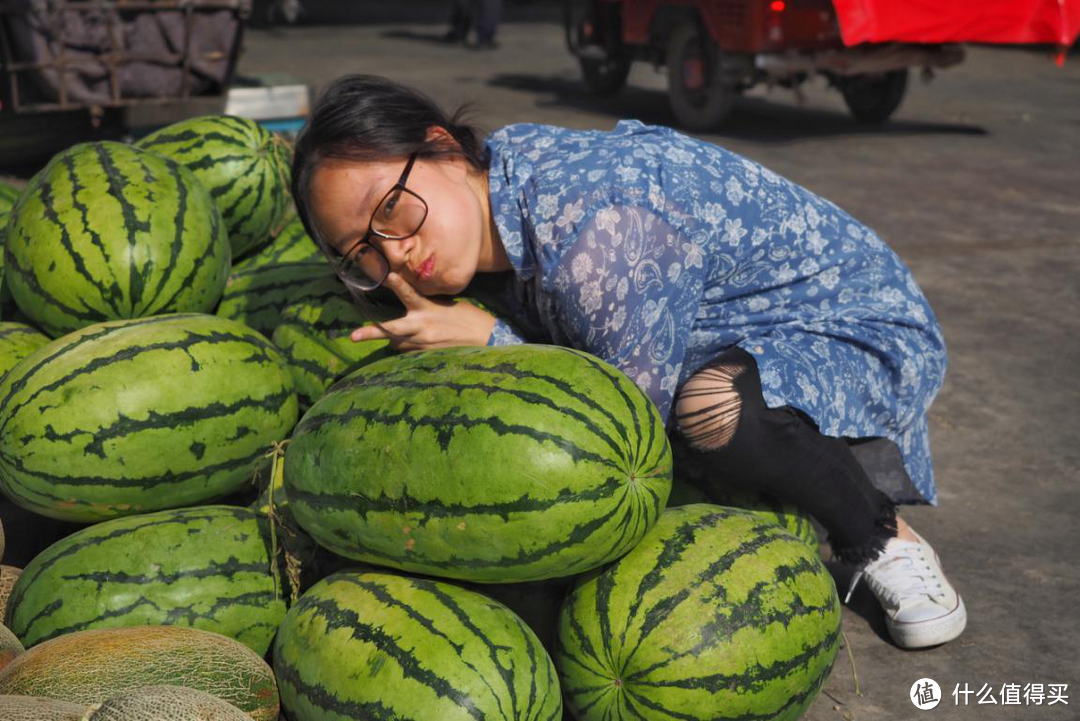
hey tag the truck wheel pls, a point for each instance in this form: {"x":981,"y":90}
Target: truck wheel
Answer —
{"x":699,"y":95}
{"x":605,"y":76}
{"x":873,"y":98}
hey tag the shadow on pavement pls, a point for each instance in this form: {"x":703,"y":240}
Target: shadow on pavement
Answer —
{"x":753,"y":119}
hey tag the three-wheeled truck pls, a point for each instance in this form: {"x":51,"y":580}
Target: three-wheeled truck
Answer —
{"x":716,"y":49}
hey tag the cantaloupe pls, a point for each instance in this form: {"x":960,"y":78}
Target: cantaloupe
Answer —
{"x":165,"y":703}
{"x":92,"y":666}
{"x":32,"y":708}
{"x":10,"y":647}
{"x":8,"y":576}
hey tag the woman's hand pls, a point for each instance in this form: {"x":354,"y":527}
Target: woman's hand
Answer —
{"x":428,"y":322}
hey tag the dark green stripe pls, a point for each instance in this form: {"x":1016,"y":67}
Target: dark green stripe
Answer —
{"x":338,"y":618}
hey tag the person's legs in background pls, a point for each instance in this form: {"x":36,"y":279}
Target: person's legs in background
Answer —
{"x":721,"y":413}
{"x":488,"y":15}
{"x":461,"y":18}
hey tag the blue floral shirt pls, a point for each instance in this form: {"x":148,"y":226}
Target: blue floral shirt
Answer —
{"x":656,"y":251}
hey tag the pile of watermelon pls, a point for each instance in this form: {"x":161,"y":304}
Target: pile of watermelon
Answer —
{"x":260,"y":518}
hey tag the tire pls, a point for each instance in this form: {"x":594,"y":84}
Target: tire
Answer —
{"x":692,"y":57}
{"x":874,"y":98}
{"x":605,"y":76}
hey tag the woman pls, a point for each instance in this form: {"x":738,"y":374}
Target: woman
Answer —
{"x":781,"y":339}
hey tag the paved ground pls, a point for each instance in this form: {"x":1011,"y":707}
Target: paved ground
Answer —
{"x":976,"y":183}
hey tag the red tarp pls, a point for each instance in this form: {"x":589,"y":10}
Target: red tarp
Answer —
{"x":956,"y":21}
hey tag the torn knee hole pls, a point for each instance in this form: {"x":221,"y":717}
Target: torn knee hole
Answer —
{"x":707,"y":410}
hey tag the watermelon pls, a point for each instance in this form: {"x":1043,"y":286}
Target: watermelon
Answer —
{"x":490,"y":464}
{"x":716,"y":614}
{"x":16,"y":342}
{"x":313,"y":336}
{"x":207,"y":567}
{"x":165,"y":703}
{"x":32,"y":708}
{"x":245,"y":167}
{"x":291,"y":245}
{"x":89,"y":667}
{"x":107,"y":231}
{"x":257,"y":296}
{"x":141,"y":415}
{"x":367,"y":645}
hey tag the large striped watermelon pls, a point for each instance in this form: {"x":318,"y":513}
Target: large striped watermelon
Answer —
{"x":245,"y":167}
{"x":107,"y":231}
{"x":313,"y":336}
{"x":291,"y":245}
{"x":716,"y":614}
{"x":381,"y":646}
{"x":16,"y":342}
{"x":142,"y":415}
{"x":491,"y":464}
{"x":257,"y":296}
{"x":207,"y":567}
{"x":91,"y":666}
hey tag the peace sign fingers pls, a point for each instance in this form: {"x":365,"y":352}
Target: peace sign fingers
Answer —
{"x":409,"y":296}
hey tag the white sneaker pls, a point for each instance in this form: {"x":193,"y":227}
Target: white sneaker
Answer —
{"x":921,"y":606}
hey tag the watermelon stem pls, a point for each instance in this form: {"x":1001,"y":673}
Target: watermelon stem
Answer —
{"x":851,"y":658}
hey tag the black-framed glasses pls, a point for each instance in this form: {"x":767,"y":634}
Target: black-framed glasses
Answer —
{"x":400,"y":213}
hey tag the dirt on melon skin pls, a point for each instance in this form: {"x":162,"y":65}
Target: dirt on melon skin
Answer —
{"x":92,"y":666}
{"x":244,"y":166}
{"x":165,"y":703}
{"x":135,"y":416}
{"x":33,"y":708}
{"x":207,"y":567}
{"x":107,"y":231}
{"x":10,"y":647}
{"x":488,"y":464}
{"x":717,"y":613}
{"x":374,"y":645}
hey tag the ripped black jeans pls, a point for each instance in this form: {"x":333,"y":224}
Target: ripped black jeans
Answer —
{"x":780,"y":452}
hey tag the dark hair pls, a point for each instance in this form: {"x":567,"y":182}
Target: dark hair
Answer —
{"x":367,"y":117}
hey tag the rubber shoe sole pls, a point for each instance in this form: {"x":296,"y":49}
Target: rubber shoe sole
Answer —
{"x":933,"y":632}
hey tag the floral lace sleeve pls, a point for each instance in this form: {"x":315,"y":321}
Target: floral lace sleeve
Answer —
{"x":628,"y":288}
{"x":504,"y":334}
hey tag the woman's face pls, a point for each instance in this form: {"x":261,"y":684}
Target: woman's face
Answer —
{"x":344,"y":194}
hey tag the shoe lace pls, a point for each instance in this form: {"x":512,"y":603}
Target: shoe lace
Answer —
{"x":899,"y":575}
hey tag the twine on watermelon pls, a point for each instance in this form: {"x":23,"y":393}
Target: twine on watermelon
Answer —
{"x":280,"y":145}
{"x":293,"y":566}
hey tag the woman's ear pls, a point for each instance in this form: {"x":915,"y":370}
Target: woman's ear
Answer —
{"x":439,"y":134}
